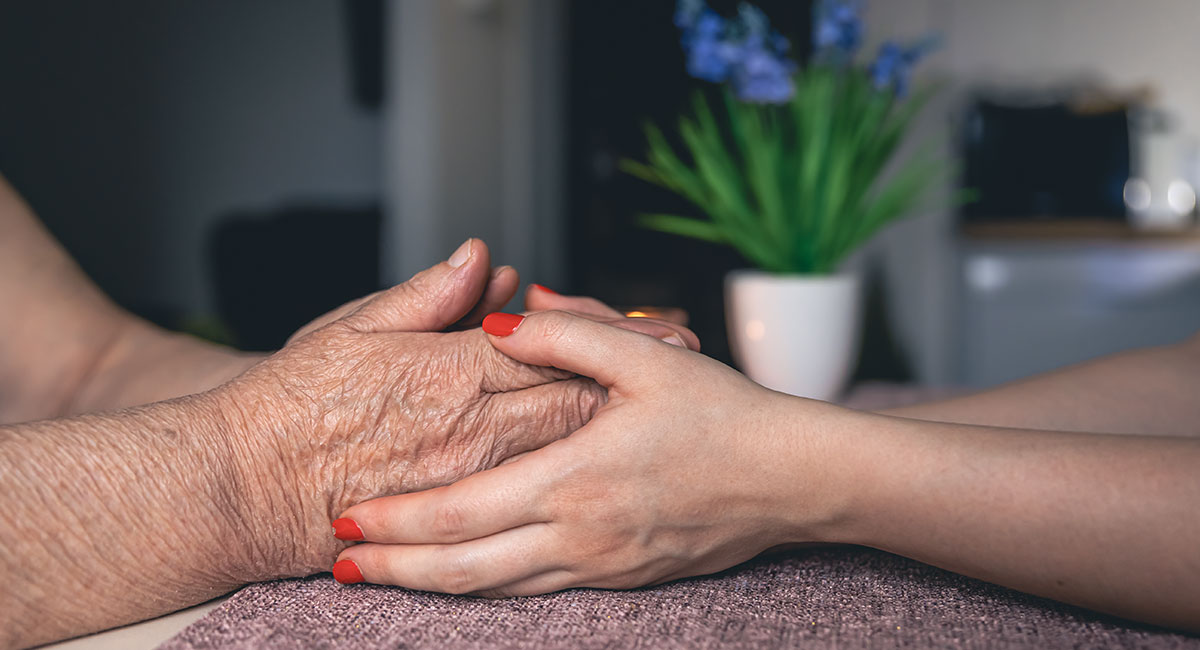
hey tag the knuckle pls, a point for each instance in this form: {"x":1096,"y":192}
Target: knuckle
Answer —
{"x":411,"y":294}
{"x":647,"y":347}
{"x":387,"y":568}
{"x":586,"y":398}
{"x":448,"y":521}
{"x":457,"y":575}
{"x":554,"y":326}
{"x":325,"y":336}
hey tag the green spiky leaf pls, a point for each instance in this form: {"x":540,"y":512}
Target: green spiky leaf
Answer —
{"x":794,"y":188}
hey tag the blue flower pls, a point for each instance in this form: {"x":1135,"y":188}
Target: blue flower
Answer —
{"x":762,"y":75}
{"x":709,"y":55}
{"x":893,"y":65}
{"x":889,"y":68}
{"x":744,"y":51}
{"x":837,"y":27}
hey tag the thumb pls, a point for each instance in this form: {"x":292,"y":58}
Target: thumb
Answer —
{"x":614,"y":357}
{"x":431,"y":300}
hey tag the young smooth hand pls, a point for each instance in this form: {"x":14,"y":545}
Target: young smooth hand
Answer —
{"x":679,"y":474}
{"x":690,"y":468}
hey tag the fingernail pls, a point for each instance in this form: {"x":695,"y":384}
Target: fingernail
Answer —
{"x":501,"y":324}
{"x":542,"y":288}
{"x":346,"y":572}
{"x":461,"y":255}
{"x":346,"y":529}
{"x":673,"y":340}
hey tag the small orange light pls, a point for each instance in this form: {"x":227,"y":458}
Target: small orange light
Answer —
{"x":637,"y":314}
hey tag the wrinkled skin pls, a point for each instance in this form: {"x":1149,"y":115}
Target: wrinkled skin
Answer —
{"x":618,"y":504}
{"x":375,"y":400}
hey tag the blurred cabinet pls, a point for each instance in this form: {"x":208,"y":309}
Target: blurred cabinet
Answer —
{"x":1032,"y":302}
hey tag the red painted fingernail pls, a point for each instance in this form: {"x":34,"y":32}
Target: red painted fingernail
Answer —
{"x":346,"y":572}
{"x":501,"y":324}
{"x":346,"y":529}
{"x":542,"y":288}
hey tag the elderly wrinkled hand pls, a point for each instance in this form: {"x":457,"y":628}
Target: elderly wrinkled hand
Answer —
{"x":376,"y":400}
{"x":115,"y":516}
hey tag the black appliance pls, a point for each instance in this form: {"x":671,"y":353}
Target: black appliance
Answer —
{"x":1044,"y":162}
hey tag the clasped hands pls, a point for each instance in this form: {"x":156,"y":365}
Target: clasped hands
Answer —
{"x":548,"y":451}
{"x":392,"y":395}
{"x":571,"y":447}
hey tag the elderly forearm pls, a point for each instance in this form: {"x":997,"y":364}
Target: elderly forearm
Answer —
{"x":113,"y":518}
{"x":1107,"y":522}
{"x":1149,"y":391}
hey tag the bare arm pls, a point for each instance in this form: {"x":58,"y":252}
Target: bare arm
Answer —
{"x":110,"y":519}
{"x":690,"y":468}
{"x":1150,"y":391}
{"x":1108,"y":522}
{"x":66,"y":348}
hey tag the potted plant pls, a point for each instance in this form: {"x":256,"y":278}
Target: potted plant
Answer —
{"x":794,"y":166}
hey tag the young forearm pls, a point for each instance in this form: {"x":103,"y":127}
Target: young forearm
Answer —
{"x":1107,"y":522}
{"x":65,"y":348}
{"x":113,"y":518}
{"x":54,"y":325}
{"x":146,"y":364}
{"x":130,"y":364}
{"x":1149,"y":391}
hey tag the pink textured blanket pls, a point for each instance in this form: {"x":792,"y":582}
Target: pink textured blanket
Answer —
{"x":819,"y":598}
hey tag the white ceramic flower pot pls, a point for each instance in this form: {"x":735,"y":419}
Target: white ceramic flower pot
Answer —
{"x":797,"y":334}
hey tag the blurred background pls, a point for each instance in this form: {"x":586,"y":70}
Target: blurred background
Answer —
{"x":235,"y":168}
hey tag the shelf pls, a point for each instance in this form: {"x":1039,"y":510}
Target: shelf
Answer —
{"x":1072,"y":230}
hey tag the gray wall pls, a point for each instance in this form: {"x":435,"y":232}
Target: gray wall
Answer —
{"x":1019,"y":43}
{"x":131,"y":126}
{"x":473,"y":133}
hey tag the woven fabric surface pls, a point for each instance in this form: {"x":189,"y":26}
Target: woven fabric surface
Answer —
{"x":816,"y":598}
{"x":811,"y":598}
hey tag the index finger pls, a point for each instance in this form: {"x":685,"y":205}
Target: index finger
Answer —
{"x":480,"y":505}
{"x":613,"y":356}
